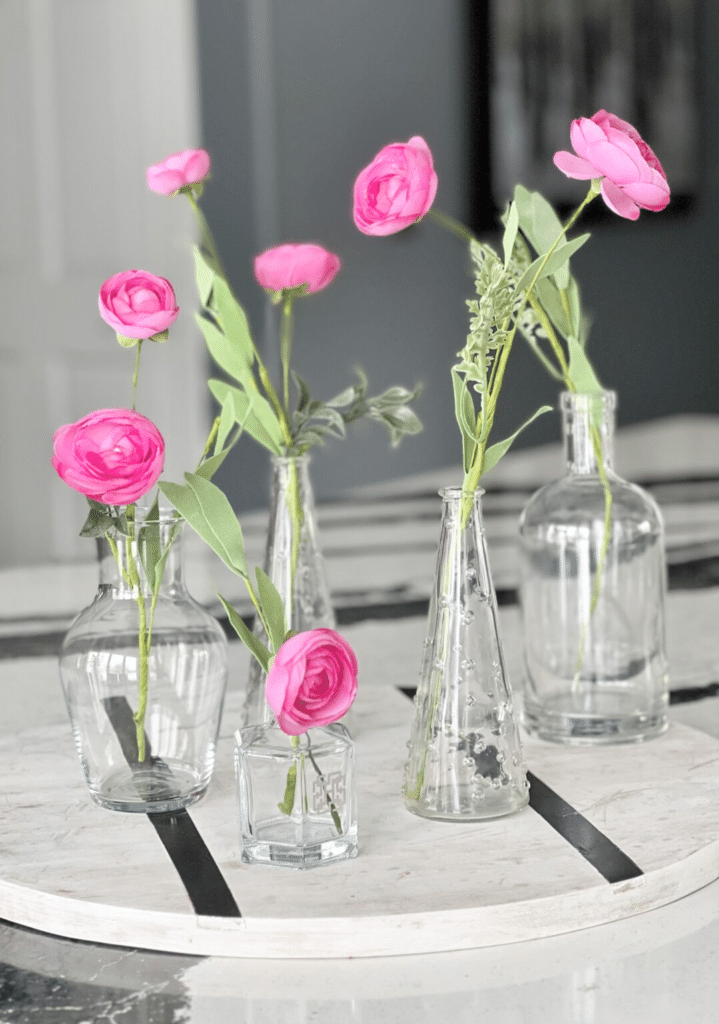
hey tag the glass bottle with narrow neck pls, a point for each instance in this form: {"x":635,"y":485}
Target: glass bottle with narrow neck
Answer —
{"x":464,"y":754}
{"x":164,"y":762}
{"x":592,"y":593}
{"x":294,"y":563}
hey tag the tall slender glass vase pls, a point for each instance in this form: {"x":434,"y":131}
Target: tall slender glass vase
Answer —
{"x":293,"y":561}
{"x":465,"y":759}
{"x":160,"y":759}
{"x":592,"y":594}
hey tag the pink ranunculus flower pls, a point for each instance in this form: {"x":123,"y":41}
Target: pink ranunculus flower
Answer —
{"x":396,"y":189}
{"x":295,"y":264}
{"x":312,"y":680}
{"x":113,"y":456}
{"x":611,"y":149}
{"x":137,"y":304}
{"x":186,"y":168}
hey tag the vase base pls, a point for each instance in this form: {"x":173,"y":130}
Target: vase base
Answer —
{"x":159,"y":788}
{"x":466,"y":806}
{"x":284,"y":844}
{"x":614,"y":719}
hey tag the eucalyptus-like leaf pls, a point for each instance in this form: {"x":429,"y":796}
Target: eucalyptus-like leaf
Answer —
{"x":254,"y":412}
{"x":510,"y":233}
{"x":231,"y":318}
{"x":575,"y":309}
{"x":221,"y":519}
{"x":303,"y":391}
{"x":231,"y":358}
{"x":553,"y":262}
{"x":550,"y":299}
{"x":465,"y":415}
{"x":227,"y":421}
{"x":204,"y":274}
{"x":581,"y":372}
{"x":204,"y":522}
{"x":494,"y":454}
{"x":273,"y":609}
{"x":209,"y":467}
{"x":248,"y":638}
{"x":98,"y":522}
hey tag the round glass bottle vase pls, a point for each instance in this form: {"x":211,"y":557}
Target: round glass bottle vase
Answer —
{"x":465,"y":759}
{"x":297,"y":796}
{"x":129,"y":641}
{"x":592,"y":594}
{"x":293,"y":561}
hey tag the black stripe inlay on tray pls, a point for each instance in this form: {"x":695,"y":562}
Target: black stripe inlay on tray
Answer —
{"x":204,"y":882}
{"x":596,"y":848}
{"x":604,"y":855}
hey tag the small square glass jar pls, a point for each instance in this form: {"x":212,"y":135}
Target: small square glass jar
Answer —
{"x":298,"y":805}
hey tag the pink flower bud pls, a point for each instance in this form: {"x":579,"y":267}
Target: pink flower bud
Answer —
{"x":114,"y":456}
{"x":185,"y":168}
{"x":396,"y":189}
{"x":292,"y":265}
{"x":312,"y":680}
{"x":137,"y":304}
{"x":611,"y":149}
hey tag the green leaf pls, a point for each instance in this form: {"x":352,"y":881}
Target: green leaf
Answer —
{"x":160,"y":336}
{"x":98,"y":522}
{"x":227,"y":421}
{"x":204,"y":275}
{"x":231,"y":358}
{"x":557,"y":259}
{"x":231,"y":318}
{"x":495,"y":453}
{"x":127,"y":342}
{"x":148,"y":542}
{"x":248,"y":638}
{"x":510,"y":233}
{"x":204,"y":507}
{"x":273,"y":609}
{"x":581,"y":372}
{"x":254,"y":412}
{"x":575,"y":308}
{"x":288,"y":801}
{"x":209,"y":467}
{"x":551,"y":300}
{"x":540,"y":224}
{"x":464,"y":412}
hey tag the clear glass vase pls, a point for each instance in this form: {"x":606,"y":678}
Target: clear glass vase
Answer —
{"x":465,"y":759}
{"x":298,"y":805}
{"x":293,"y":561}
{"x":144,"y":680}
{"x":592,"y":594}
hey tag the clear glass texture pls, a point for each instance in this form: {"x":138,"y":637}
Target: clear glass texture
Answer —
{"x":100,"y":670}
{"x":293,"y":561}
{"x":592,"y":594}
{"x":298,"y":805}
{"x":465,"y":759}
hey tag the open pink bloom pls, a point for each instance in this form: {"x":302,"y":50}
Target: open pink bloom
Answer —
{"x":312,"y":680}
{"x":396,"y":189}
{"x":611,"y":149}
{"x":295,"y":264}
{"x":180,"y":169}
{"x":111,"y":455}
{"x":137,"y":304}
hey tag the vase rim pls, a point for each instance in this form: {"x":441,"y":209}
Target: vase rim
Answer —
{"x":583,"y":399}
{"x":456,"y":492}
{"x":282,"y":459}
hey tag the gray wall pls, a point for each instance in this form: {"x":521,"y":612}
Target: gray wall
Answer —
{"x":296,"y":98}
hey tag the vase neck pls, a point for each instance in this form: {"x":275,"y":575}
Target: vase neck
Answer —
{"x":289,"y":471}
{"x":588,"y":430}
{"x":126,"y":561}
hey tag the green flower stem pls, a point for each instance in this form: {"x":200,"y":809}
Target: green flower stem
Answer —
{"x":332,"y":806}
{"x":208,"y":240}
{"x":452,"y":225}
{"x":138,"y":348}
{"x":286,"y":349}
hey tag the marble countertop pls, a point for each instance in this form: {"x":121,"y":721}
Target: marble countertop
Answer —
{"x":656,"y":967}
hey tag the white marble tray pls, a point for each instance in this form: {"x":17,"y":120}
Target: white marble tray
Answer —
{"x":72,"y":869}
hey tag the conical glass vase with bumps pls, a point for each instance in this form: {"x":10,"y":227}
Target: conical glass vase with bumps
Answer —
{"x":465,"y":758}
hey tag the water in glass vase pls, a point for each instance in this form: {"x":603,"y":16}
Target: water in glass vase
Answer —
{"x":186,"y":673}
{"x":592,"y":595}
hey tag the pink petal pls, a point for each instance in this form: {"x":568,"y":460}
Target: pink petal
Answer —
{"x":618,"y":201}
{"x":574,"y":166}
